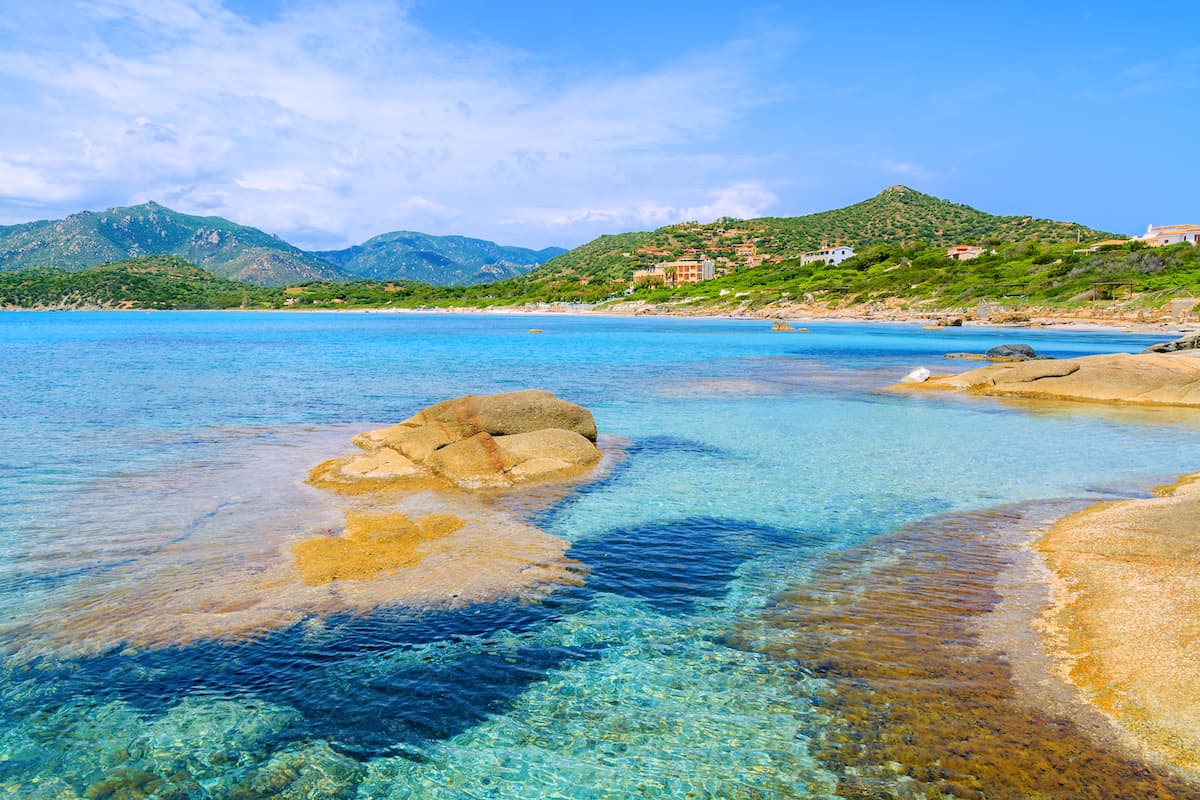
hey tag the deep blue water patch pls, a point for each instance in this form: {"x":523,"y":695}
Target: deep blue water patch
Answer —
{"x":352,"y":681}
{"x":674,"y":564}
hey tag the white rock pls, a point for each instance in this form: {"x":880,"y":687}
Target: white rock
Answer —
{"x":918,"y":375}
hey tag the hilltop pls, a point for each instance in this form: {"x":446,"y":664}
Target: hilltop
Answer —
{"x":242,"y":253}
{"x":150,"y":282}
{"x":441,"y":260}
{"x":896,"y":216}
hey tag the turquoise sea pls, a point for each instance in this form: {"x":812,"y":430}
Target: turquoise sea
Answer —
{"x":145,"y":458}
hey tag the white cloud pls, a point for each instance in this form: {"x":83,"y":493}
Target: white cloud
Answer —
{"x":742,"y":200}
{"x":337,"y":121}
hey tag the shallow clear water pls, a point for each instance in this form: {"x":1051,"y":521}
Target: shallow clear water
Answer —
{"x":141,"y":453}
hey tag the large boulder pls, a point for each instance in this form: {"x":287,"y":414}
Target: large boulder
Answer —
{"x":1013,"y":352}
{"x":507,"y":413}
{"x":477,"y":461}
{"x":475,"y":441}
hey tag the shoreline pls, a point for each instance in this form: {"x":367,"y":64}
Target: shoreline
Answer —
{"x":1121,"y":624}
{"x":766,"y":314}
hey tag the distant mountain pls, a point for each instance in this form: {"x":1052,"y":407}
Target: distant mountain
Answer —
{"x":441,"y":260}
{"x":242,"y":253}
{"x":223,"y":248}
{"x":898,"y":215}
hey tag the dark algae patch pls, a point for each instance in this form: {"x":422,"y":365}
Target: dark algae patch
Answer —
{"x":919,"y":701}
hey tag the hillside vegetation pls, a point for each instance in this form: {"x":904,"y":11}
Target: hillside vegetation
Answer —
{"x":161,"y":282}
{"x":896,"y":216}
{"x":901,"y":237}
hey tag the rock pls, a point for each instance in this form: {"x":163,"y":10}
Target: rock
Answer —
{"x":417,"y":443}
{"x":781,"y":325}
{"x":474,"y":442}
{"x":382,"y":464}
{"x":1189,"y":342}
{"x":508,"y":413}
{"x":566,"y":446}
{"x":1143,"y":379}
{"x":473,"y":462}
{"x":918,"y":375}
{"x":1020,"y":352}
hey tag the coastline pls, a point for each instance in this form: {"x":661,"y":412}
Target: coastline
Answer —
{"x":1060,"y":320}
{"x":1121,"y":626}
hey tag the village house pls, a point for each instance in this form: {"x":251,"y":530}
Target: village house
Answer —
{"x":829,"y":255}
{"x":964,"y":252}
{"x":1170,"y":234}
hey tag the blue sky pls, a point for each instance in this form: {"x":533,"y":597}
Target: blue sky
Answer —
{"x":538,"y":123}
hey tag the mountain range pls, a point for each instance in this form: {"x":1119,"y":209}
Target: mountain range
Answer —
{"x":246,"y":254}
{"x":440,"y":260}
{"x":896,"y":216}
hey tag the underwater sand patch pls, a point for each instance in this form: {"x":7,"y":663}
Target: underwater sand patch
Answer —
{"x":428,"y":550}
{"x":922,"y":698}
{"x":255,"y":549}
{"x":372,"y":543}
{"x":1126,"y":618}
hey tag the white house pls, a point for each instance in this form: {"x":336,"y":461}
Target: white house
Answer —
{"x":830,"y":255}
{"x":1170,"y":234}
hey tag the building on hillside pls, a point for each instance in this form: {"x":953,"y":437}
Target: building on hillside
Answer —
{"x":1091,"y":248}
{"x":964,"y":252}
{"x":829,"y":255}
{"x":677,"y":272}
{"x":1170,"y":234}
{"x":648,"y":276}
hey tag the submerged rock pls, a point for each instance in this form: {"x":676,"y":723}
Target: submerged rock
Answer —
{"x":474,"y":442}
{"x":371,"y":544}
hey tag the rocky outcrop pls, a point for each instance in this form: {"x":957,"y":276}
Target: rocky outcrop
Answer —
{"x":1123,"y":622}
{"x":1003,"y":352}
{"x":1147,"y":378}
{"x":1189,"y":342}
{"x":475,"y":441}
{"x":1012,"y":352}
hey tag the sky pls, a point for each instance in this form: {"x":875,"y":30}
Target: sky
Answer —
{"x":544,"y":122}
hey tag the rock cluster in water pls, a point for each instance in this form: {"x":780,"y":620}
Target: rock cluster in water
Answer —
{"x":475,"y":442}
{"x":1143,"y":379}
{"x":1003,"y":352}
{"x":1189,"y":342}
{"x":472,"y":442}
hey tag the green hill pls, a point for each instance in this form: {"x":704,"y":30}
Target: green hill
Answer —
{"x":149,"y":282}
{"x":224,"y":248}
{"x":896,"y":216}
{"x":440,"y":260}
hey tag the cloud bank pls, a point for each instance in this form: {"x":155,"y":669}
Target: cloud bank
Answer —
{"x":334,"y":121}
